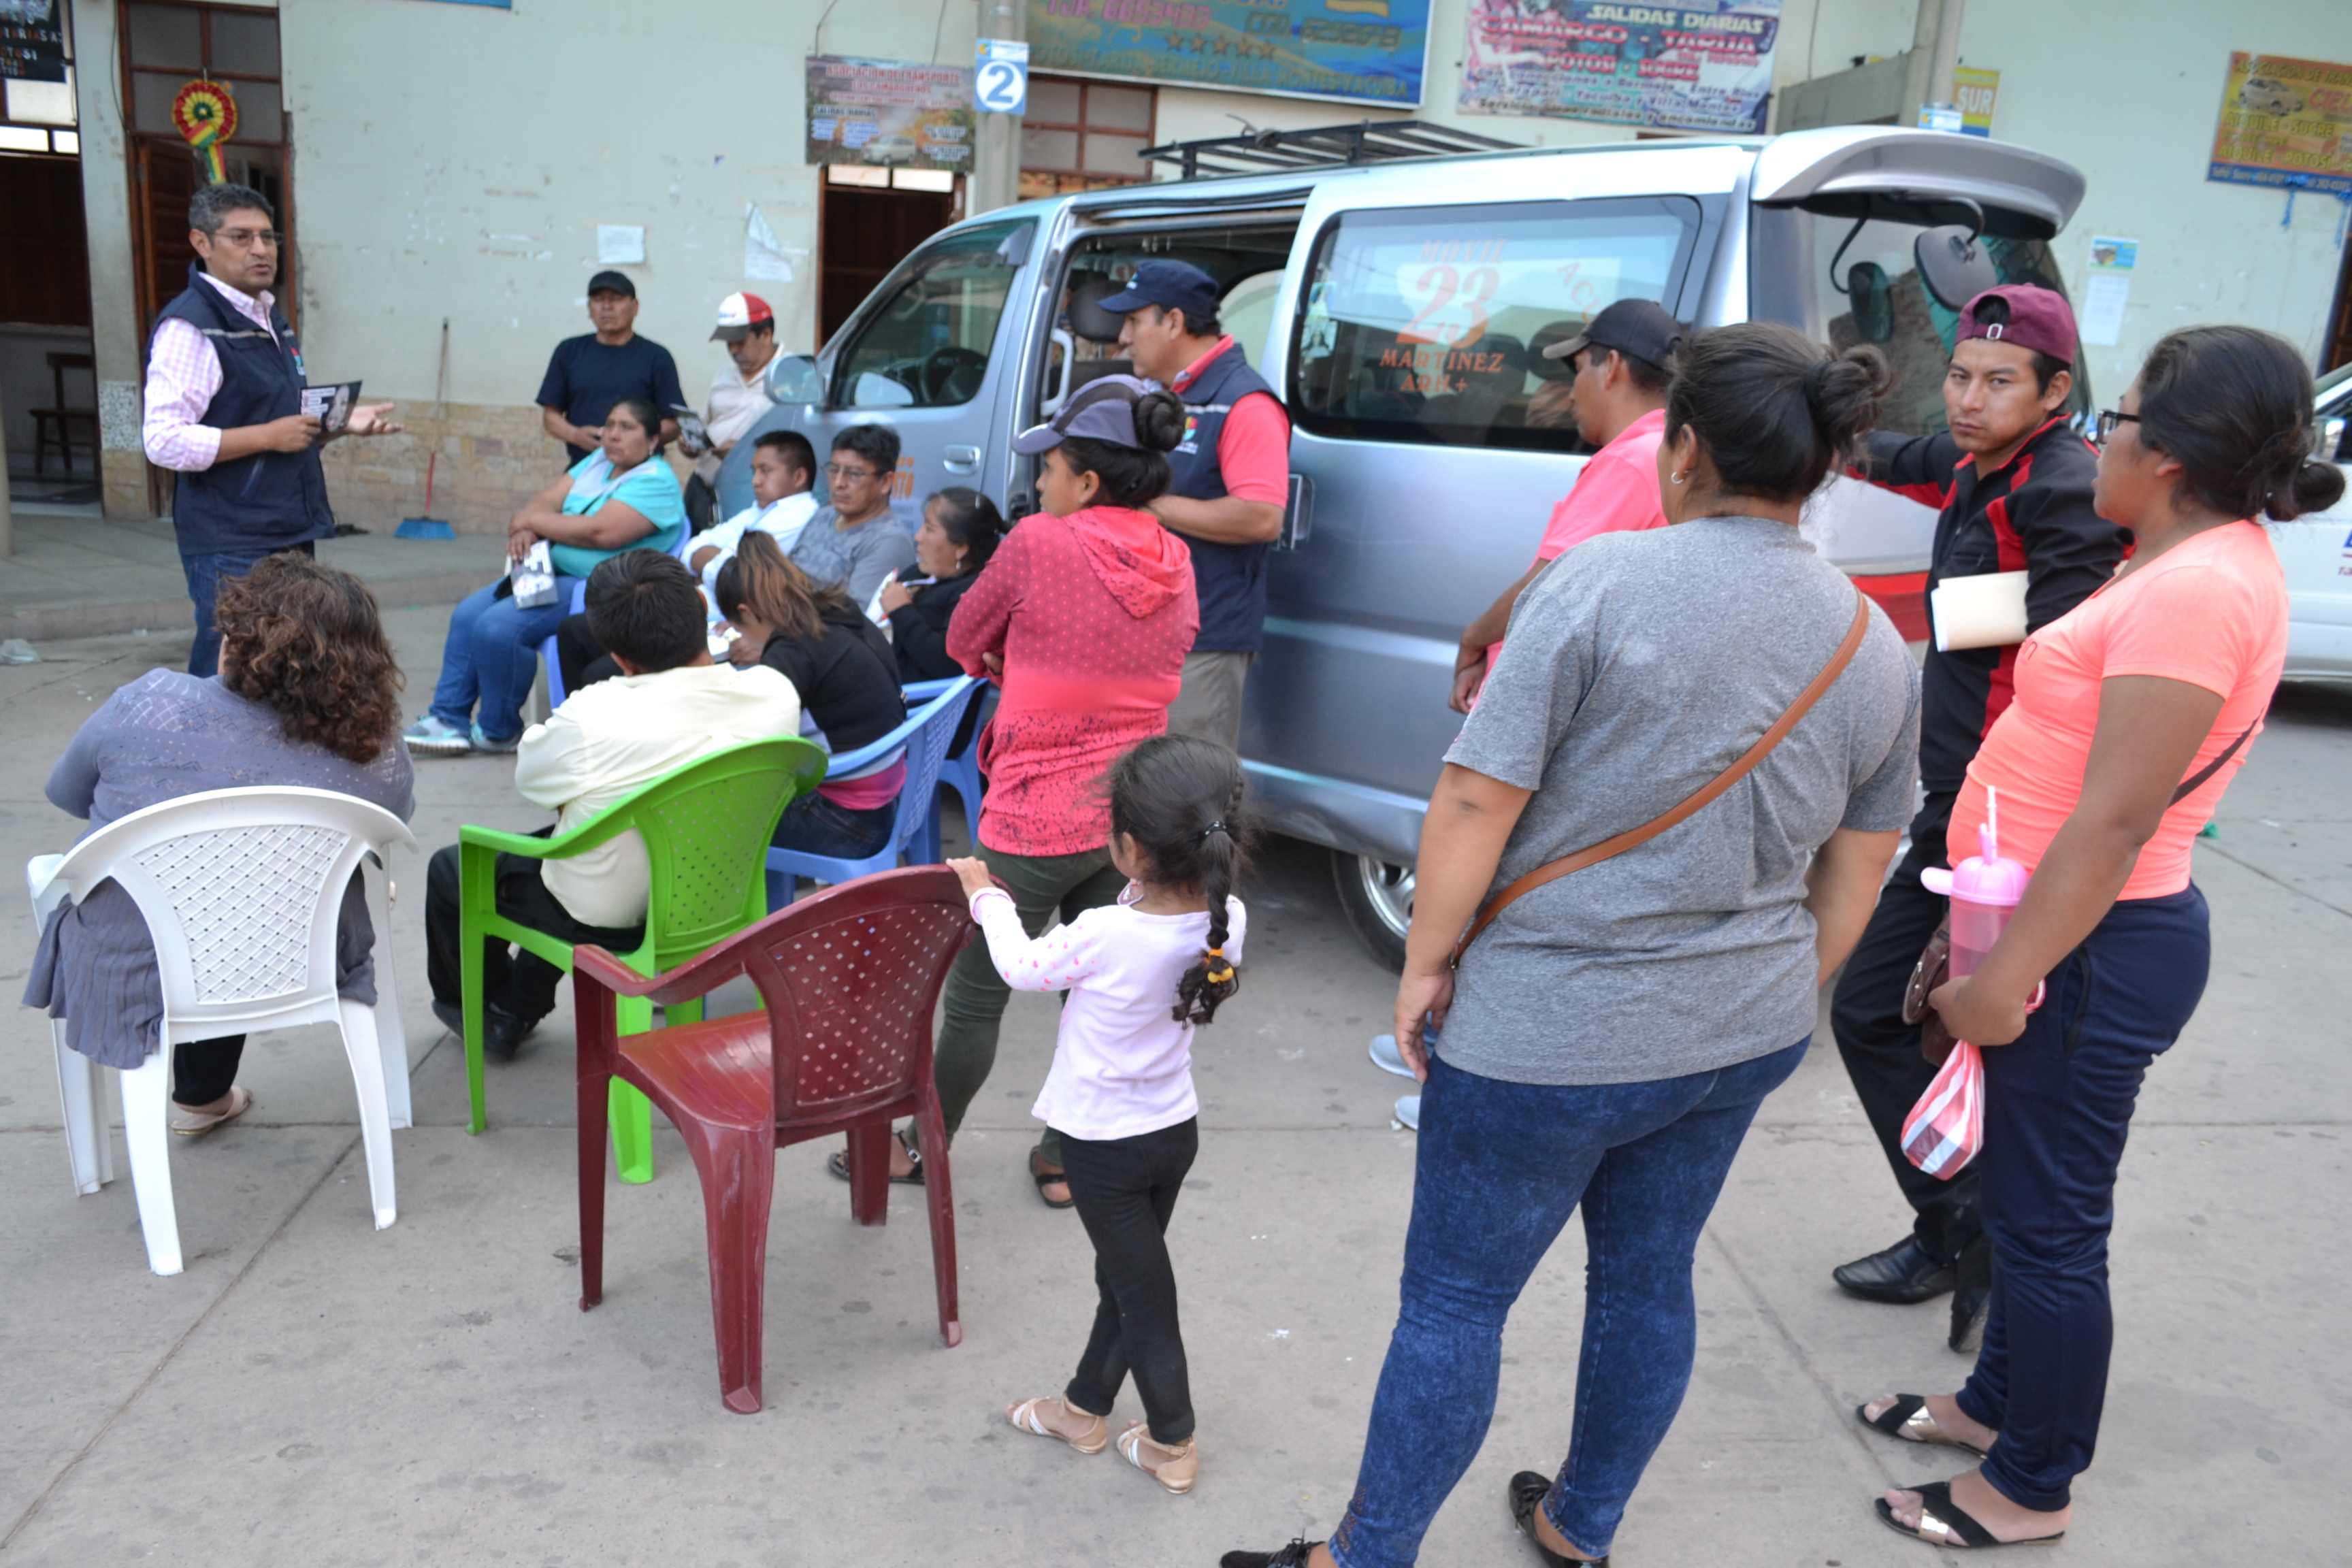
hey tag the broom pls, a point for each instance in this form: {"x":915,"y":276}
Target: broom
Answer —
{"x":428,"y":526}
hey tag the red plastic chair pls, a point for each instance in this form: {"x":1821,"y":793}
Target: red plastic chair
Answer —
{"x":849,"y":979}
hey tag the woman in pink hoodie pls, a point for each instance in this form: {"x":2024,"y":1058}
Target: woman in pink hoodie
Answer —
{"x":1084,"y":614}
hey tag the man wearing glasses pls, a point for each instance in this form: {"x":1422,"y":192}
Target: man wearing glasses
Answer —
{"x":857,"y":542}
{"x":224,"y":410}
{"x":2013,"y":481}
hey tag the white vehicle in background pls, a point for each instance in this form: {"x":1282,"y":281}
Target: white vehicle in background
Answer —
{"x":2316,"y":551}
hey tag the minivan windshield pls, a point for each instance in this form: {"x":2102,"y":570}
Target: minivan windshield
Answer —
{"x":928,"y":345}
{"x":1843,"y":281}
{"x":1427,"y":325}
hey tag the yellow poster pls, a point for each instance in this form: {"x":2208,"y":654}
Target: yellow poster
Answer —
{"x":2286,"y":122}
{"x":1974,"y":88}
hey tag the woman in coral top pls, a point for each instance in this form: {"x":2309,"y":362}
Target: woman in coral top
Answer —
{"x":2132,"y":712}
{"x":1085,"y":611}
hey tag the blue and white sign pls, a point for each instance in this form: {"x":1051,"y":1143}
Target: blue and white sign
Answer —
{"x":1000,"y":78}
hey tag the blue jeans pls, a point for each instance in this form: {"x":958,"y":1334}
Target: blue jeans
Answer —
{"x":204,"y":575}
{"x":1500,"y":1167}
{"x":815,"y":825}
{"x":491,"y":657}
{"x":2058,"y":1106}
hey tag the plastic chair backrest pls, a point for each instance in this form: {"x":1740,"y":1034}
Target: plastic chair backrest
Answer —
{"x":849,"y":978}
{"x":706,"y":829}
{"x":241,"y":889}
{"x":932,"y":728}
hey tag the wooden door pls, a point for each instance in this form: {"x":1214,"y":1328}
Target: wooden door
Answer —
{"x":864,"y":234}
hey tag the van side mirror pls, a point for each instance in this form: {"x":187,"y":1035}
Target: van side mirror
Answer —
{"x":795,"y":378}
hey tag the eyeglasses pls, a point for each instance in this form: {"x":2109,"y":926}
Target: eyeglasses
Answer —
{"x":839,"y":471}
{"x":245,"y":238}
{"x":2108,"y":419}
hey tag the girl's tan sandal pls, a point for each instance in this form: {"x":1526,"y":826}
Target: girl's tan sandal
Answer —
{"x":1093,"y":1440}
{"x":1177,"y":1472}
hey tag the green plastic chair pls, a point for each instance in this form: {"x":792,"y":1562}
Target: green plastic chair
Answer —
{"x":706,"y":828}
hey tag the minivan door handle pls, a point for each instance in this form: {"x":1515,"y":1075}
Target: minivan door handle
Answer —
{"x":1298,"y":517}
{"x":961,"y":459}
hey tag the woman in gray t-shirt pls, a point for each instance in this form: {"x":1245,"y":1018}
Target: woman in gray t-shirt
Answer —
{"x":1609,"y":1036}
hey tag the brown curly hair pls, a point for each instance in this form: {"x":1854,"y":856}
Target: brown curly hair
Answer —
{"x":307,"y":640}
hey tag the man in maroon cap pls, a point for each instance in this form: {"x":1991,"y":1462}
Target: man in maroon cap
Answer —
{"x":2013,"y":480}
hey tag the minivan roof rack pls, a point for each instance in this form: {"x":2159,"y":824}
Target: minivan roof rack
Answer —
{"x":1256,"y":151}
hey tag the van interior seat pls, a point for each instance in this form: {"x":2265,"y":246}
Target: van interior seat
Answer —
{"x":1088,"y":319}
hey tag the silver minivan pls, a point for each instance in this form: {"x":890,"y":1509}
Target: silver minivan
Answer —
{"x":1401,"y":309}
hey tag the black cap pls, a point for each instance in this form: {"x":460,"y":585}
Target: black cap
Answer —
{"x":618,"y":283}
{"x":1638,"y":329}
{"x":1170,"y":285}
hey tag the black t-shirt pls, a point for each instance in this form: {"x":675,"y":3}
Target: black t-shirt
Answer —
{"x":585,"y":378}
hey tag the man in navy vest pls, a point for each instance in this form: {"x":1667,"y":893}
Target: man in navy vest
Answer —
{"x":1230,"y":479}
{"x":224,"y":410}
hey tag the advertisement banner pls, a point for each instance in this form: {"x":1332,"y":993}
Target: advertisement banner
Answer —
{"x":1700,"y":66}
{"x":32,"y":40}
{"x":2286,"y":122}
{"x":1976,"y":89}
{"x":1356,"y":51}
{"x":889,"y":112}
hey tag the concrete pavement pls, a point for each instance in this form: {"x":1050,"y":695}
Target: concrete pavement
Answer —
{"x":314,"y":1390}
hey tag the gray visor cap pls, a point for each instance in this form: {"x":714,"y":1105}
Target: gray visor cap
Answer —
{"x":1101,"y":410}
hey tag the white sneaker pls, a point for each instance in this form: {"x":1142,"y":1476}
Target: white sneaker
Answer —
{"x":431,"y":735}
{"x":1387,"y":1057}
{"x":1408,"y":1110}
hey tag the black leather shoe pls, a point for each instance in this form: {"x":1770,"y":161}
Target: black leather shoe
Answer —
{"x":1526,"y":1493}
{"x":1905,"y":1275}
{"x":1291,"y":1556}
{"x":1971,"y":1295}
{"x":503,"y":1033}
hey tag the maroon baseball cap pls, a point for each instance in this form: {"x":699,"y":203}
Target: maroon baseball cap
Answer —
{"x":2023,"y":313}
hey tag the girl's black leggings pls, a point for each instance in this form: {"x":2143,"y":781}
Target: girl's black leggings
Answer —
{"x":1126,"y":1189}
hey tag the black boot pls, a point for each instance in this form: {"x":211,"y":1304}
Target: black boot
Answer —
{"x":1971,"y":1295}
{"x":1903,"y":1276}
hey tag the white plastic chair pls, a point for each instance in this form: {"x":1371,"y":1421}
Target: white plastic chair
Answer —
{"x":241,"y":889}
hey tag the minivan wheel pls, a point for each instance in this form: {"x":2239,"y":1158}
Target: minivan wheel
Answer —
{"x":1378,"y":900}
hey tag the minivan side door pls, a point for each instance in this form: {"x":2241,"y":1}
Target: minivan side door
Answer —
{"x":1430,"y":441}
{"x":930,"y":353}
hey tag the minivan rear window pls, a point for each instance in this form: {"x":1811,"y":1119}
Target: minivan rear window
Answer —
{"x":1427,"y":324}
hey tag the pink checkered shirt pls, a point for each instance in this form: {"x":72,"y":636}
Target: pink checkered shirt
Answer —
{"x":183,"y":375}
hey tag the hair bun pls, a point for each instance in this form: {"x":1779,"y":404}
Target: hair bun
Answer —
{"x":1844,"y":394}
{"x":2314,"y":487}
{"x":1159,"y":419}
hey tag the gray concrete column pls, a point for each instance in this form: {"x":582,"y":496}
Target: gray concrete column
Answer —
{"x":106,"y":204}
{"x":996,"y":164}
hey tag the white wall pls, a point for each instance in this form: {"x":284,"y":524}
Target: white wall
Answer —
{"x":454,"y":160}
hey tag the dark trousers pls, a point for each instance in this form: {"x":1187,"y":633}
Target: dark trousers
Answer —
{"x":203,"y":1070}
{"x":1125,"y":1188}
{"x":815,"y":825}
{"x":971,"y":1004}
{"x":520,"y":983}
{"x":701,"y":505}
{"x":204,"y":573}
{"x":581,"y":656}
{"x":1881,"y":1052}
{"x":2058,"y":1106}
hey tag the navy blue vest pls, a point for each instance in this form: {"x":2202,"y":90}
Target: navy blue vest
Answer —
{"x":1230,"y":578}
{"x":270,"y":500}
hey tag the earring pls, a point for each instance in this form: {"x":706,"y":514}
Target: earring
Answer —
{"x":1676,"y":476}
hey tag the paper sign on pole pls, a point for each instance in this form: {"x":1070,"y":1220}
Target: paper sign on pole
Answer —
{"x":1974,"y":90}
{"x":1000,"y":75}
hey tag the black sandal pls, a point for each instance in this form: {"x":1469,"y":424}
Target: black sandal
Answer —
{"x":1907,"y":1421}
{"x":838,"y":1162}
{"x":1944,"y":1523}
{"x":1044,"y":1178}
{"x":1526,"y":1493}
{"x":1291,"y":1556}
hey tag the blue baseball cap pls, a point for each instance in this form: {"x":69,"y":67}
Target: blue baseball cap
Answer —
{"x":1170,"y":285}
{"x":1101,"y":410}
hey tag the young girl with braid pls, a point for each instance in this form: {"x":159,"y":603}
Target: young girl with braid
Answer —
{"x":1139,"y":973}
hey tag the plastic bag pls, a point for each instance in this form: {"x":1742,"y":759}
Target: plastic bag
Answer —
{"x":534,"y":577}
{"x":1946,"y":1129}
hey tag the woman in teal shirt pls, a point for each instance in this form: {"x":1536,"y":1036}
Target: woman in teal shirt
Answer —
{"x":620,"y":497}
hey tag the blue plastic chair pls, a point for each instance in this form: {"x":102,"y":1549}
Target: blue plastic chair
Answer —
{"x":960,"y":771}
{"x":547,"y":657}
{"x":915,"y":829}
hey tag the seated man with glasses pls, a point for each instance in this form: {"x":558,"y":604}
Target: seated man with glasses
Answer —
{"x":857,"y":542}
{"x":224,"y":410}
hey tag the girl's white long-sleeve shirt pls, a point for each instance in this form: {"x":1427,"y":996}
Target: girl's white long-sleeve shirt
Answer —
{"x":1122,"y":1064}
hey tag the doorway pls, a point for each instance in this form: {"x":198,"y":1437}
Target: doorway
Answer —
{"x":863,"y":232}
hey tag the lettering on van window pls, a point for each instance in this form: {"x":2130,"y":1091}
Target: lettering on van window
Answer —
{"x":1453,"y":302}
{"x":1434,"y":371}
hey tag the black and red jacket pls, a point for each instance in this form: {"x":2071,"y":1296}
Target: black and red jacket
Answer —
{"x":2031,"y":514}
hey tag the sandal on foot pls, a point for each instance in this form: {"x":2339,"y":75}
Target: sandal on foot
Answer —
{"x":1907,"y":1421}
{"x":1093,"y":1440}
{"x":1177,"y":1472}
{"x":240,"y":1101}
{"x":838,"y":1162}
{"x":1526,"y":1493}
{"x":1045,"y":1178}
{"x":1943,"y":1523}
{"x":1291,"y":1556}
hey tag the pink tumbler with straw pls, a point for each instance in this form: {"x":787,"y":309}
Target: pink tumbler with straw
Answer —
{"x":1985,"y":891}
